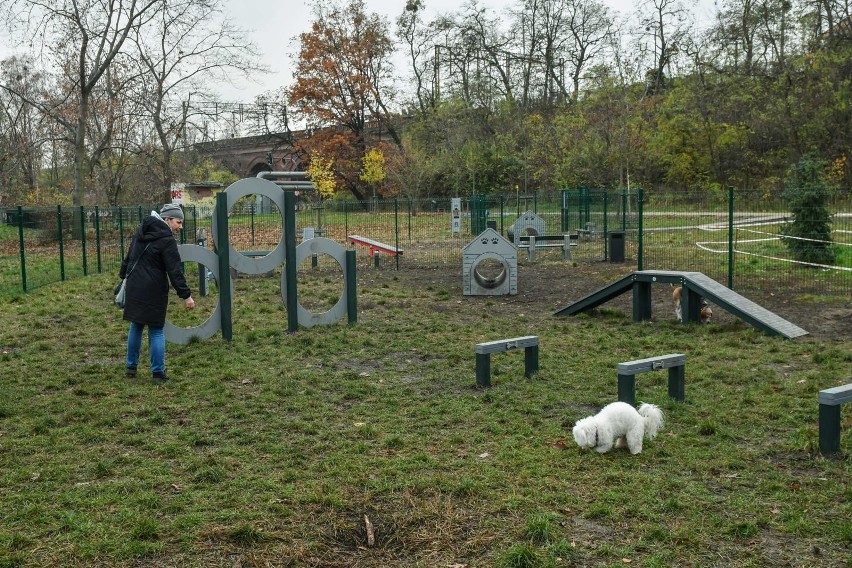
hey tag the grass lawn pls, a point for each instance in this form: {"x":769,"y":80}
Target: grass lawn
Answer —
{"x":370,"y":445}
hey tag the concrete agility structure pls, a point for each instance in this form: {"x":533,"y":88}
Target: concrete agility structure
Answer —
{"x":226,"y":258}
{"x":489,"y":245}
{"x":528,"y":224}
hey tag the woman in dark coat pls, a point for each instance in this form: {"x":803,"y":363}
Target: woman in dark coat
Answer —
{"x":152,"y":262}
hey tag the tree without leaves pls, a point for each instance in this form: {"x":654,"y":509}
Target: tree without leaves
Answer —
{"x":420,"y":47}
{"x":666,"y":26}
{"x":22,"y":131}
{"x":185,"y":48}
{"x":91,"y":33}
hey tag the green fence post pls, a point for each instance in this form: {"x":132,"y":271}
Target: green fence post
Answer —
{"x":290,"y":261}
{"x":251,"y":214}
{"x":61,"y":243}
{"x":396,"y":228}
{"x":409,"y":221}
{"x":640,"y":206}
{"x":731,"y":237}
{"x":121,"y":232}
{"x":351,"y":289}
{"x":580,"y":194}
{"x":98,"y":238}
{"x":224,"y":253}
{"x":21,"y":246}
{"x":606,"y":223}
{"x":624,"y":210}
{"x":345,"y":219}
{"x":83,"y":240}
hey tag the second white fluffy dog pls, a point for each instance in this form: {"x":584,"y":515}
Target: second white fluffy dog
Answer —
{"x":616,"y":424}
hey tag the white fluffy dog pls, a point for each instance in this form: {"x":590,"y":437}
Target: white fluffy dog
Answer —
{"x":616,"y":424}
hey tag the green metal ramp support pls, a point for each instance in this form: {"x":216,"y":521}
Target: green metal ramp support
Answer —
{"x":599,"y":297}
{"x":696,"y":285}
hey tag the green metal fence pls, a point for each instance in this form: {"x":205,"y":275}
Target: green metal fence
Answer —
{"x":738,"y":238}
{"x":735,"y":237}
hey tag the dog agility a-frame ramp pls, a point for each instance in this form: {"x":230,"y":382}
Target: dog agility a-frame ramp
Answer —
{"x":696,"y":285}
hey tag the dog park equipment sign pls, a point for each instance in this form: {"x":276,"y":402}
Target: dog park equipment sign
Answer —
{"x":177,"y":193}
{"x":455,"y":212}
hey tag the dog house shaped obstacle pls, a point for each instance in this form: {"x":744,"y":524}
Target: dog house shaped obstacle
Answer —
{"x":489,"y":245}
{"x":527,"y":224}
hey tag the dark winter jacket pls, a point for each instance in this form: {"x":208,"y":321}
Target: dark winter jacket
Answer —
{"x":148,"y":283}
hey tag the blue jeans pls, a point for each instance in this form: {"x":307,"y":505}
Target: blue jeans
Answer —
{"x":157,"y":346}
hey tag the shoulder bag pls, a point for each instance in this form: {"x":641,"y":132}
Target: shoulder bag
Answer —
{"x":121,"y":289}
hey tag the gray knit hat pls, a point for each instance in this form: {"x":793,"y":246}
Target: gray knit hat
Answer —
{"x":171,"y":210}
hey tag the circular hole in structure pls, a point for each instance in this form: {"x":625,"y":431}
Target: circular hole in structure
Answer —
{"x":255,"y":225}
{"x":205,"y":293}
{"x":203,"y":322}
{"x":320,"y":283}
{"x":490,"y":273}
{"x":530,"y":232}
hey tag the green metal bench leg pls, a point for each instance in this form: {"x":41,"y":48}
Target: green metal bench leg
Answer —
{"x":676,"y":382}
{"x":530,"y":360}
{"x":691,"y":311}
{"x":829,"y":428}
{"x":641,"y":301}
{"x":627,"y":388}
{"x":483,"y":369}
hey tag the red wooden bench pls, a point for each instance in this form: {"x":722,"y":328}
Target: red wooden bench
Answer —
{"x":375,"y":246}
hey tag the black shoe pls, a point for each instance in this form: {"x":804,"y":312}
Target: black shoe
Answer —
{"x":130,"y":371}
{"x":159,"y":378}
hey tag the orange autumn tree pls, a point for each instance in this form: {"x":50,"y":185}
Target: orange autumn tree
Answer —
{"x":343,"y":85}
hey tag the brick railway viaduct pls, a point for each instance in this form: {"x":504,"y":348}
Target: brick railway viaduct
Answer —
{"x":247,"y":156}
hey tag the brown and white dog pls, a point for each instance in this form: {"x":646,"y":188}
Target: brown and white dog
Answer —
{"x":704,"y":314}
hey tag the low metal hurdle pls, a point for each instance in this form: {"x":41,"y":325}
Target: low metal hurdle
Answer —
{"x":484,"y":351}
{"x":675,"y":363}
